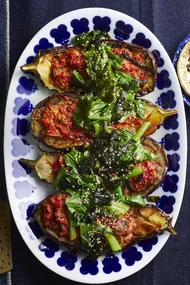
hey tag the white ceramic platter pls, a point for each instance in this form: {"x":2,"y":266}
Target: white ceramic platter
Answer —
{"x":25,"y":189}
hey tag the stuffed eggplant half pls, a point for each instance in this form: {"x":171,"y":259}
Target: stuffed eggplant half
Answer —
{"x":95,"y":61}
{"x":98,"y":230}
{"x":65,"y":120}
{"x":116,"y":161}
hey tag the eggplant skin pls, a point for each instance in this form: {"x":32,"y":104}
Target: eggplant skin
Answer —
{"x":38,"y":130}
{"x":136,"y":224}
{"x":137,"y":184}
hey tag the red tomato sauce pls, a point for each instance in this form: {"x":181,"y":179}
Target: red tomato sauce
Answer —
{"x":55,"y":214}
{"x":128,"y":66}
{"x":57,"y":120}
{"x":63,"y":65}
{"x":131,"y":123}
{"x":149,"y":175}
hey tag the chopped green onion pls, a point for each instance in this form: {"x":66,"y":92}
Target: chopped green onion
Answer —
{"x":117,"y":208}
{"x":72,"y":229}
{"x":141,"y":131}
{"x":113,"y":242}
{"x":135,"y":199}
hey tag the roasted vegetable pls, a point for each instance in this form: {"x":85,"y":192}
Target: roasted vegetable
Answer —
{"x":46,"y":166}
{"x":95,"y":64}
{"x":104,"y":234}
{"x":153,"y":171}
{"x":52,"y":123}
{"x":55,"y":66}
{"x":138,"y":62}
{"x":152,"y":113}
{"x":63,"y":121}
{"x":140,"y":172}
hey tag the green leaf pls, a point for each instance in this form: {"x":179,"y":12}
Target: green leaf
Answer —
{"x":135,"y":199}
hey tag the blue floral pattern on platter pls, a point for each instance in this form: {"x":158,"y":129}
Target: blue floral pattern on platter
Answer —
{"x":49,"y":247}
{"x":102,"y":24}
{"x":60,"y":35}
{"x":89,"y":266}
{"x":158,"y":58}
{"x":20,"y":127}
{"x":80,"y":26}
{"x":26,"y":86}
{"x":166,"y":204}
{"x":122,"y":31}
{"x":111,"y":264}
{"x":166,"y":100}
{"x":25,"y":95}
{"x":147,"y":244}
{"x":141,"y":40}
{"x":170,"y":183}
{"x":131,"y":255}
{"x":43,"y":44}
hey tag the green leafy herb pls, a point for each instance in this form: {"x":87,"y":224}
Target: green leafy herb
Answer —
{"x":154,"y":199}
{"x":113,"y":242}
{"x":135,"y":199}
{"x":92,"y":113}
{"x":88,"y":39}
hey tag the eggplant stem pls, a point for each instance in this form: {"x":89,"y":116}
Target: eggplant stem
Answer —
{"x":166,"y":113}
{"x":29,"y":67}
{"x":28,"y":162}
{"x":172,"y":230}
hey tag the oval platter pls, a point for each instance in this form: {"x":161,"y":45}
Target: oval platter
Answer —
{"x":25,"y":190}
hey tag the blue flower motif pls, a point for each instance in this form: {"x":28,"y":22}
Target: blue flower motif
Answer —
{"x":166,"y":100}
{"x":30,"y":211}
{"x":26,"y":86}
{"x":22,"y":106}
{"x":61,"y":35}
{"x":89,"y":266}
{"x":166,"y":204}
{"x":122,"y":31}
{"x":36,"y":229}
{"x":158,"y":57}
{"x":131,"y":255}
{"x":67,"y":260}
{"x":80,"y":26}
{"x":163,"y":80}
{"x":170,"y":141}
{"x":19,"y":170}
{"x":170,"y":183}
{"x":173,"y":160}
{"x":49,"y":247}
{"x":171,"y":123}
{"x":147,"y":244}
{"x":101,"y":23}
{"x":20,"y":147}
{"x":111,"y":264}
{"x":29,"y":59}
{"x":43,"y":44}
{"x":20,"y":127}
{"x":23,"y":206}
{"x":23,"y":189}
{"x":141,"y":40}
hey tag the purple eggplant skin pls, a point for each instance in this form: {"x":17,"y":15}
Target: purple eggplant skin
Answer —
{"x":136,"y":224}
